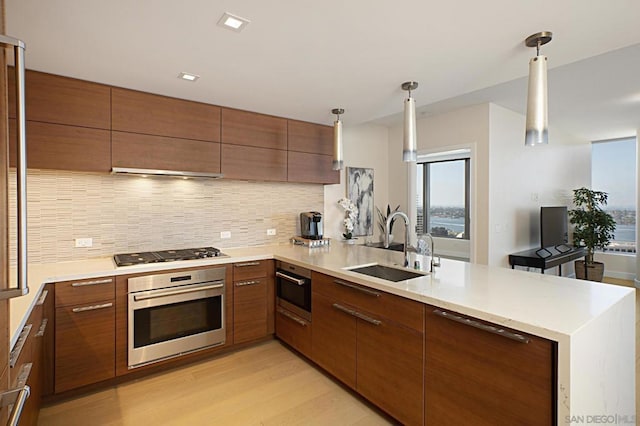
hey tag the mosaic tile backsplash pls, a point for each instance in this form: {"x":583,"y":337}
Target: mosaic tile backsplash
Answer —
{"x":130,"y":213}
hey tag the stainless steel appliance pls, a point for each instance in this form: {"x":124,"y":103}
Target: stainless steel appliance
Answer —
{"x":293,"y":289}
{"x":311,"y":225}
{"x":171,"y":314}
{"x":128,"y":259}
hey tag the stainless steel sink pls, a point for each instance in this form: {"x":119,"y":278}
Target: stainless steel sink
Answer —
{"x":388,"y":273}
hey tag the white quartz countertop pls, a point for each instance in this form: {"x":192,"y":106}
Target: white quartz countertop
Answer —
{"x":545,"y":305}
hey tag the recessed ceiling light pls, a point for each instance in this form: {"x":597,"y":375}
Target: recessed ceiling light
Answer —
{"x":233,"y":22}
{"x":188,"y":77}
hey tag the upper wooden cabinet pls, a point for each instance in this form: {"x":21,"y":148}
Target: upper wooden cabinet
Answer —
{"x":61,"y":147}
{"x":248,"y":162}
{"x":145,"y":113}
{"x":311,"y":168}
{"x":132,"y":150}
{"x":61,"y":100}
{"x":310,"y":137}
{"x":252,"y":129}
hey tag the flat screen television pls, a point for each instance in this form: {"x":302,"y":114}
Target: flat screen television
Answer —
{"x":553,"y":226}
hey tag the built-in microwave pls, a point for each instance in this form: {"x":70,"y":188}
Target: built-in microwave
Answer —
{"x":293,"y":289}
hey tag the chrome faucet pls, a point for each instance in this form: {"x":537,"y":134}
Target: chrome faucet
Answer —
{"x":432,"y":263}
{"x":406,"y":234}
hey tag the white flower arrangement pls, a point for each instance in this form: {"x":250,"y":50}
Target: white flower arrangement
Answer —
{"x":351,"y":213}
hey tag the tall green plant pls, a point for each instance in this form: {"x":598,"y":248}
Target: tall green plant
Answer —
{"x":593,"y":226}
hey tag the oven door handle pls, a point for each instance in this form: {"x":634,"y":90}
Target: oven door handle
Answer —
{"x":290,"y":278}
{"x":153,"y":294}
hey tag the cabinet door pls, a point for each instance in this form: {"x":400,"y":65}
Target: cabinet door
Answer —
{"x":390,"y":368}
{"x":474,"y":376}
{"x":293,"y":330}
{"x":84,"y":291}
{"x":251,"y":163}
{"x":334,"y":339}
{"x":61,"y":147}
{"x":139,"y":112}
{"x":311,"y":168}
{"x":134,"y":150}
{"x":251,"y":129}
{"x":250,"y":309}
{"x":310,"y":137}
{"x":62,"y":100}
{"x":85,"y":345}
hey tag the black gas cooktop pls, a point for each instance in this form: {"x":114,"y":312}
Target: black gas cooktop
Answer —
{"x":128,"y":259}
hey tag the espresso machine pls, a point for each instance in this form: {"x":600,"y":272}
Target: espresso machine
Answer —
{"x":311,"y":225}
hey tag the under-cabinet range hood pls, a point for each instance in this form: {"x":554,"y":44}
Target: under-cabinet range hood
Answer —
{"x":156,"y":172}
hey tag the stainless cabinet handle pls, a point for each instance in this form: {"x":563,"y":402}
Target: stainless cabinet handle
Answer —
{"x":17,"y":349}
{"x":243,"y":283}
{"x":92,"y":307}
{"x":16,"y":398}
{"x":95,"y":282}
{"x":358,"y":288}
{"x":42,"y":298}
{"x":242,"y":265}
{"x":42,"y":328}
{"x":292,"y":317}
{"x":357,"y":314}
{"x":482,"y":326}
{"x":290,"y":278}
{"x":21,"y":172}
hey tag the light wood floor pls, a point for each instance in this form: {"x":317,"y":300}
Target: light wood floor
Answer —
{"x":262,"y":385}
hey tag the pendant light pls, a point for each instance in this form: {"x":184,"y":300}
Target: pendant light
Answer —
{"x":409,"y":147}
{"x":337,"y":139}
{"x":537,"y":121}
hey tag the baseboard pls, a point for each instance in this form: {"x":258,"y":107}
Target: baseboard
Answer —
{"x":620,"y":275}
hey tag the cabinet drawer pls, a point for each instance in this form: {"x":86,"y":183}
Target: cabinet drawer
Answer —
{"x":84,"y":291}
{"x":252,"y":269}
{"x":293,"y":330}
{"x":398,"y":309}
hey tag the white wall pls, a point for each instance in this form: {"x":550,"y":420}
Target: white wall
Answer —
{"x":463,"y":128}
{"x":524,"y":178}
{"x":364,"y":146}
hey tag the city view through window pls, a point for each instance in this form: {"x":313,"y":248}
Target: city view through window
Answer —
{"x":613,"y":170}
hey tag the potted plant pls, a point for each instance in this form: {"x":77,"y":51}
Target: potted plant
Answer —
{"x":593,"y":229}
{"x":351,"y":213}
{"x":383,"y":221}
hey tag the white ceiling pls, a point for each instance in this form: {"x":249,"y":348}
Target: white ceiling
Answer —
{"x":300,"y":59}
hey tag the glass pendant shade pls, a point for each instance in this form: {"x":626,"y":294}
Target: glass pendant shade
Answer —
{"x":338,"y":161}
{"x":537,"y":118}
{"x":409,"y":140}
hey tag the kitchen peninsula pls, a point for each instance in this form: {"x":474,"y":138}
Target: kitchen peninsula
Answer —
{"x":590,"y":327}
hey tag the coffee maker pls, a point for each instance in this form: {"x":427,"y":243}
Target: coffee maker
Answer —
{"x":311,"y":225}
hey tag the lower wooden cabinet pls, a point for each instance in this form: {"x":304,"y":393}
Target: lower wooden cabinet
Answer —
{"x":250,"y":309}
{"x":293,"y":330}
{"x":474,"y":375}
{"x":379,"y":356}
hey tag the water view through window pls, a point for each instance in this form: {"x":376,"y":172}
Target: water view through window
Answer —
{"x":613,"y":170}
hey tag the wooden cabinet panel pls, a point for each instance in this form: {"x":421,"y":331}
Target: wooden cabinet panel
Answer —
{"x":55,"y":99}
{"x":48,"y":341}
{"x":403,"y":311}
{"x":311,"y":168}
{"x":251,"y":163}
{"x":162,"y":153}
{"x":390,"y":369}
{"x":84,"y":291}
{"x":139,"y":112}
{"x":480,"y":378}
{"x":252,"y":129}
{"x":250,"y":309}
{"x":310,"y":137}
{"x":334,"y":339}
{"x":294,"y":331}
{"x":61,"y":147}
{"x":252,"y":269}
{"x":85,"y":345}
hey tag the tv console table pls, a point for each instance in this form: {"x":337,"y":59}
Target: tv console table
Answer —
{"x":549,"y":258}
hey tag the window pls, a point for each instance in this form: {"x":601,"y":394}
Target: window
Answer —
{"x":443,"y":196}
{"x":613,"y":170}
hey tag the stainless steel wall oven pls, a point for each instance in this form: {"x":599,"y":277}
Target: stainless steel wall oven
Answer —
{"x":293,"y":289}
{"x":174,"y":313}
